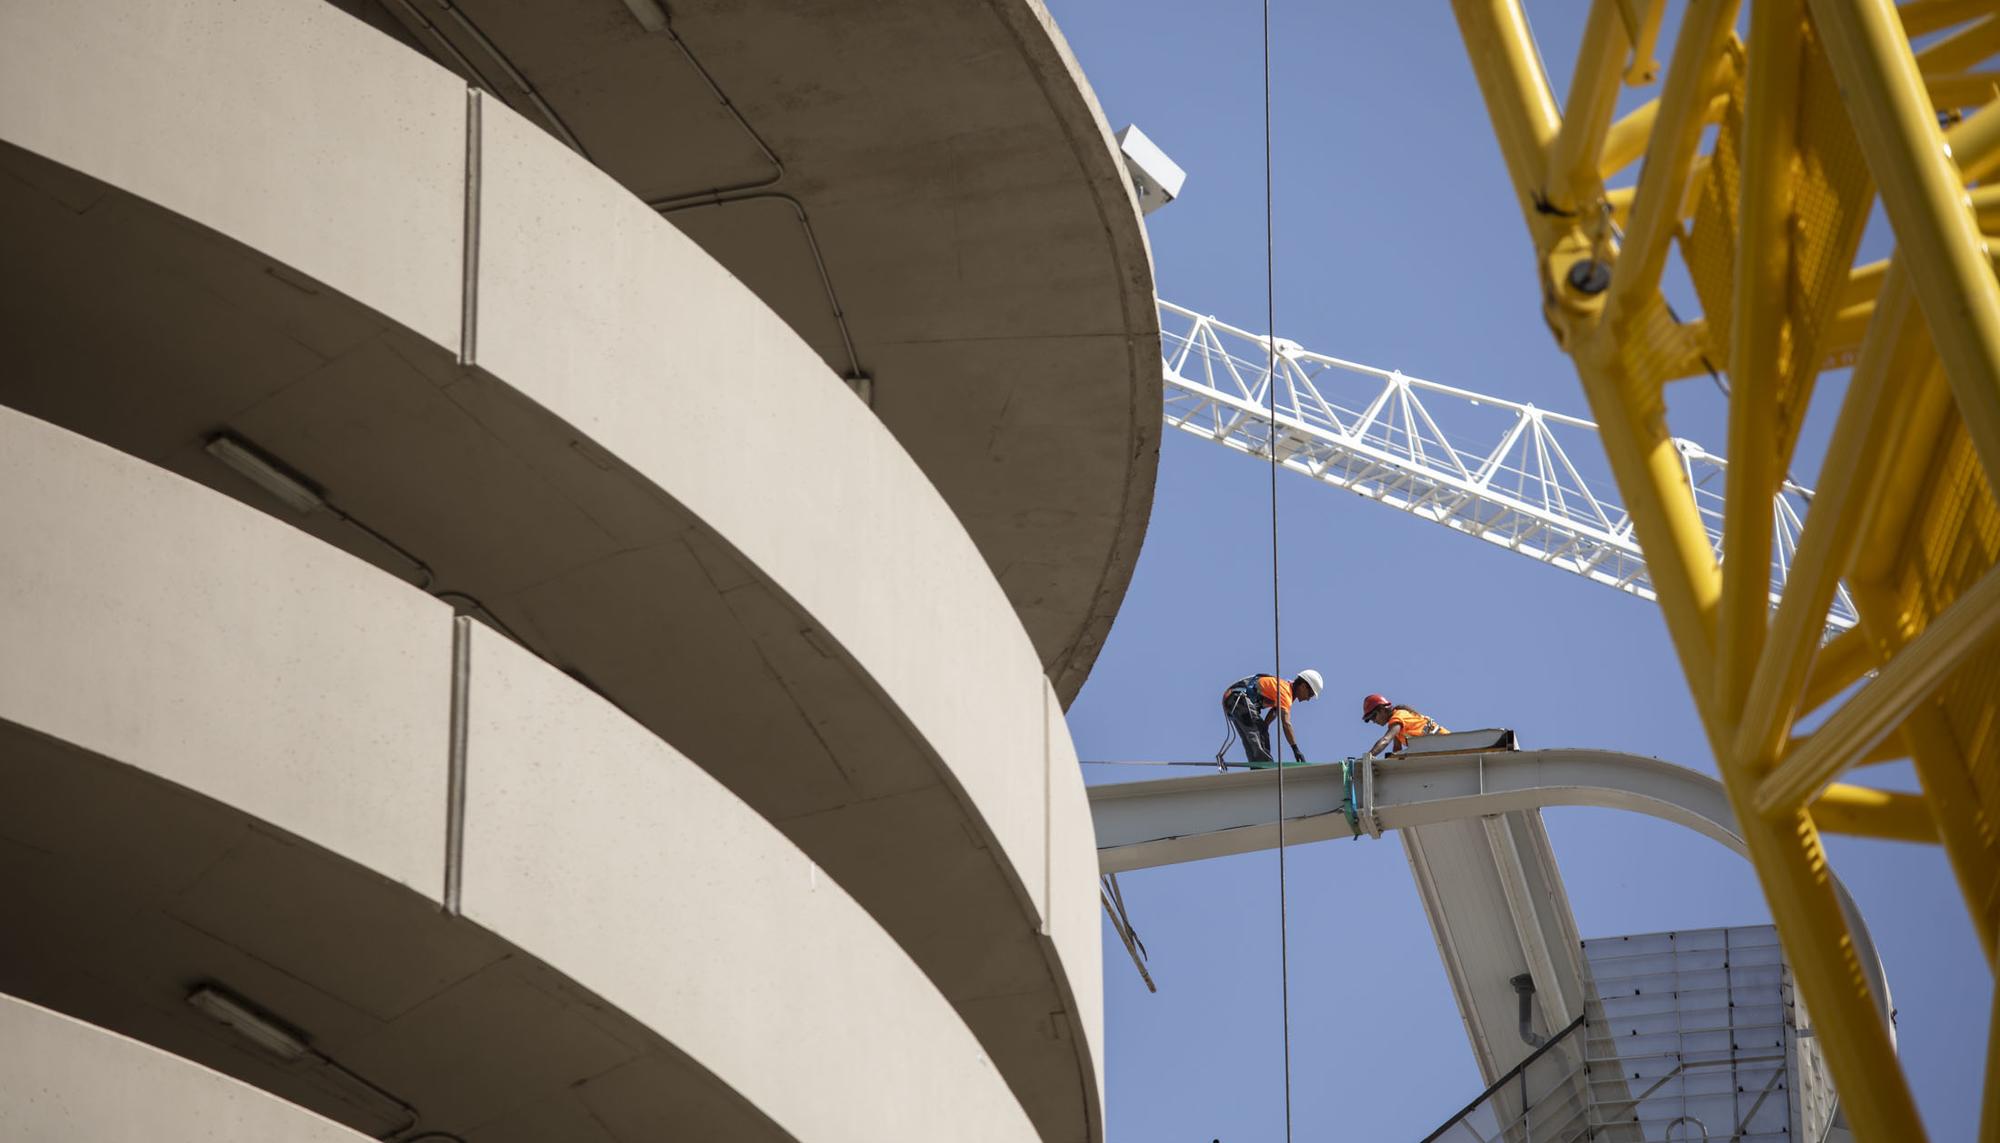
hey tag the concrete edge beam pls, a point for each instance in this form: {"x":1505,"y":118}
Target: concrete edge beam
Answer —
{"x":588,"y":842}
{"x":62,"y":1073}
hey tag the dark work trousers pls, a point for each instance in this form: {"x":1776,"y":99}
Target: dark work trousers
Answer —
{"x":1249,"y":726}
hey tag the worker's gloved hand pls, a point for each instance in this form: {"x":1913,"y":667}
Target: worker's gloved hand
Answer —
{"x":1298,"y":756}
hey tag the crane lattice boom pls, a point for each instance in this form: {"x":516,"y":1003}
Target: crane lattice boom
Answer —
{"x":1488,"y":467}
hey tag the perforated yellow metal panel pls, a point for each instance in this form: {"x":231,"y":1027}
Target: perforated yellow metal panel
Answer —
{"x":1954,"y":540}
{"x":1708,"y":242}
{"x":1831,"y":193}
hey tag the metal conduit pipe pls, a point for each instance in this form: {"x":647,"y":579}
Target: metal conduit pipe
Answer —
{"x":493,"y":51}
{"x":751,"y":191}
{"x":854,"y":375}
{"x":1524,"y":987}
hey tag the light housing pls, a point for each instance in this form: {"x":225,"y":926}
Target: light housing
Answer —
{"x":266,"y":473}
{"x":1157,"y":178}
{"x":246,"y":1021}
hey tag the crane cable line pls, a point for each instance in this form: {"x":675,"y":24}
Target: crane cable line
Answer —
{"x":1277,"y":643}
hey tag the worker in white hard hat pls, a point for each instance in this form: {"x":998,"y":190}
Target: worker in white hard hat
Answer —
{"x":1252,"y":702}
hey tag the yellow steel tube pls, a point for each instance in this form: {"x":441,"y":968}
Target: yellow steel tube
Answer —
{"x":1920,"y":17}
{"x":1868,"y":422}
{"x":1924,"y":402}
{"x":1792,"y":867}
{"x":1985,"y":203}
{"x":1572,"y":181}
{"x":1956,"y":803}
{"x":1947,"y":783}
{"x":1625,"y":139}
{"x":1962,"y":49}
{"x":1895,"y":746}
{"x":1646,"y":37}
{"x":1839,"y":664}
{"x":1924,"y":195}
{"x":1962,"y":89}
{"x":1650,"y":473}
{"x":1911,"y":676}
{"x":1975,"y":145}
{"x":1515,"y":89}
{"x":1867,"y":812}
{"x":1763,"y":262}
{"x":1676,"y":132}
{"x":1864,"y":283}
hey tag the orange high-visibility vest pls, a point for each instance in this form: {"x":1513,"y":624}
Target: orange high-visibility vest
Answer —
{"x":1406,"y":723}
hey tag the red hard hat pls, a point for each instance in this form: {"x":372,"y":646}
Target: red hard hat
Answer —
{"x":1369,"y":704}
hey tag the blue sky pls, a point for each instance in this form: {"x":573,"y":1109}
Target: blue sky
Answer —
{"x":1399,"y":245}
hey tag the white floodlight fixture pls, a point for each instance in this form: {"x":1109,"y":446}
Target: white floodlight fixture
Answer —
{"x":239,"y":1017}
{"x":1157,"y":178}
{"x":266,"y":473}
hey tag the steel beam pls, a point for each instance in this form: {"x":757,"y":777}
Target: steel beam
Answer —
{"x":1756,"y":363}
{"x":1516,"y":91}
{"x":1896,"y":348}
{"x":1167,"y":821}
{"x":1915,"y":673}
{"x":1670,"y":152}
{"x":1572,"y":182}
{"x":1923,"y":191}
{"x":1864,"y":811}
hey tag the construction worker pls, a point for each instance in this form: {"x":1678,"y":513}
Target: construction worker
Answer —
{"x":1252,"y":702}
{"x":1403,"y":723}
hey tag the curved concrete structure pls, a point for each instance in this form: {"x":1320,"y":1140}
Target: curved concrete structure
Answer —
{"x":59,"y":1071}
{"x":925,"y":191}
{"x":533,"y":393}
{"x":197,"y":696}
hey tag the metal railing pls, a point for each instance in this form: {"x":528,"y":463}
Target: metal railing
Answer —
{"x":1526,"y":1105}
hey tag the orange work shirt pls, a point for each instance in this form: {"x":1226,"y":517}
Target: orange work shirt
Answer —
{"x":1276,"y":692}
{"x":1406,"y":723}
{"x":1270,"y":692}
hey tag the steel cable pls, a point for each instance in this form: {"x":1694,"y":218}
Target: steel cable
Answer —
{"x":1277,"y":645}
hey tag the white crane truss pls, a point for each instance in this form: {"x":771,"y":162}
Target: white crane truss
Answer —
{"x":1478,"y":464}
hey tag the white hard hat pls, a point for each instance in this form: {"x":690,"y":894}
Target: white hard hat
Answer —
{"x":1311,"y":678}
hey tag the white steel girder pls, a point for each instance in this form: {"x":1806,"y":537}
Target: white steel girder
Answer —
{"x":1166,"y":821}
{"x":1482,"y":863}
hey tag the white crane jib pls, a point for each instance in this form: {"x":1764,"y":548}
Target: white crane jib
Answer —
{"x":1488,"y":467}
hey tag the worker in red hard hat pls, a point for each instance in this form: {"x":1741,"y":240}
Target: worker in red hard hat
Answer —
{"x":1252,"y":702}
{"x":1403,"y":724}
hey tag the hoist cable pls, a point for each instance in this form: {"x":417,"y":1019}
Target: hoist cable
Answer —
{"x":1277,"y":645}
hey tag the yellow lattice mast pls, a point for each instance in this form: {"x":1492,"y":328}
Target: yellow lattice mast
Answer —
{"x":1823,"y":106}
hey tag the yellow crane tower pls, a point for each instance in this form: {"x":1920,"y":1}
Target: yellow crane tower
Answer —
{"x":1817,"y":108}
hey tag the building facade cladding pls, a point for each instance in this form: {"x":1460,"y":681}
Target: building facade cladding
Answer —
{"x":272,"y":221}
{"x":60,"y":1069}
{"x":215,"y":722}
{"x":927,"y":193}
